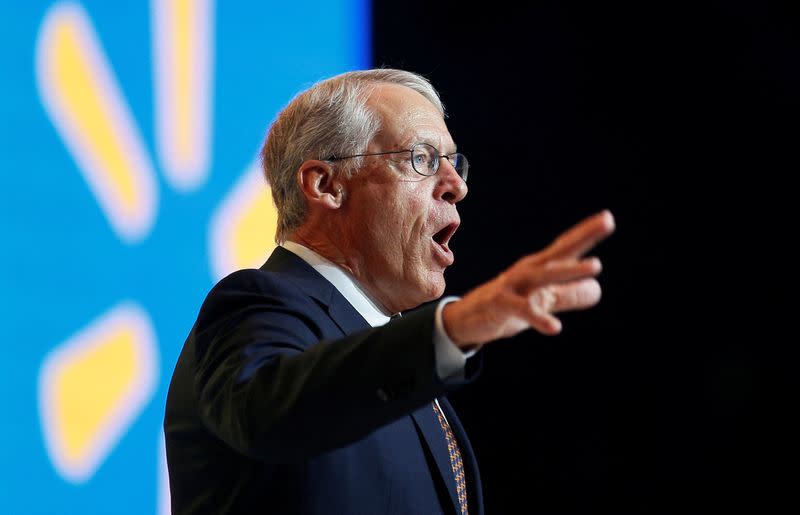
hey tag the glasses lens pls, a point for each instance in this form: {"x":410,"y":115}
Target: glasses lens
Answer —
{"x":459,"y":162}
{"x":424,"y":159}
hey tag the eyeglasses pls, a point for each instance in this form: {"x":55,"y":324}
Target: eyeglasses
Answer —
{"x":425,"y":159}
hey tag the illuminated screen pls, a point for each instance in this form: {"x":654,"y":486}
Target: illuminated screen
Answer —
{"x":129,"y":135}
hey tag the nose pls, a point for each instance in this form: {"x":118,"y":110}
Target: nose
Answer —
{"x":450,"y":187}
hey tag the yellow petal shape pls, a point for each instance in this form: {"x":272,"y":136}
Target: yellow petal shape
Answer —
{"x":243,"y":227}
{"x":85,"y":104}
{"x":93,"y":386}
{"x":182,"y":58}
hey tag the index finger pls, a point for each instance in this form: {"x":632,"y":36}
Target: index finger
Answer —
{"x":581,"y":237}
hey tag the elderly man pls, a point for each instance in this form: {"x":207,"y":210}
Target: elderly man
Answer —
{"x":295,"y":393}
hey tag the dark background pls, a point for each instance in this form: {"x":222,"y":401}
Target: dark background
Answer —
{"x":677,"y":394}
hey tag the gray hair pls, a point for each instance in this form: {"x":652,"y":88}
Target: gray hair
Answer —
{"x":329,"y":119}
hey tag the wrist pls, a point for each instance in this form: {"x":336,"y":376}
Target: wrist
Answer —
{"x":451,"y":316}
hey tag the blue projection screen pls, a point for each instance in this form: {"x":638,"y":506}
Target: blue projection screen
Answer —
{"x":129,"y":134}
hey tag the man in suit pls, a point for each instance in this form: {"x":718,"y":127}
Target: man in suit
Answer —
{"x":301,"y":389}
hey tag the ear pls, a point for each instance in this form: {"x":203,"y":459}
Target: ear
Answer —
{"x":319,"y":184}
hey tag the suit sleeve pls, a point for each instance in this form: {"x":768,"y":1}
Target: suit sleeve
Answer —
{"x":271,"y":387}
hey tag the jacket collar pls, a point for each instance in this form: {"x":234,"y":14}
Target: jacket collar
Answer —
{"x":317,"y":287}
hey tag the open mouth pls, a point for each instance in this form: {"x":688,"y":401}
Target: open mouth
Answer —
{"x":442,"y":238}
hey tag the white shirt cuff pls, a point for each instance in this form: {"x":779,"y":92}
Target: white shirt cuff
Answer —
{"x":450,"y":360}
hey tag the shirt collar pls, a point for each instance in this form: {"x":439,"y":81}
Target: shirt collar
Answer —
{"x":372,"y":311}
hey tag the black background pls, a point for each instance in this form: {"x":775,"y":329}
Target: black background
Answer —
{"x":677,"y":393}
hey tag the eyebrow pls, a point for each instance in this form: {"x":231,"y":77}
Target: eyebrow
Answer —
{"x":433,"y":144}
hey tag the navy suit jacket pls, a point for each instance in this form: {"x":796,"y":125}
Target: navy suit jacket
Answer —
{"x":285,"y":401}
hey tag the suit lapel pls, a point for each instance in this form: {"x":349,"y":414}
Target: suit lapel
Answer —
{"x":313,"y":284}
{"x":345,"y":315}
{"x":349,"y":321}
{"x":434,"y":438}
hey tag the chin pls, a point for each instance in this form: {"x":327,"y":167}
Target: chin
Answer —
{"x":425,"y":288}
{"x":434,"y":287}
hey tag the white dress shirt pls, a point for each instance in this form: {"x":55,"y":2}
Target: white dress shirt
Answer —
{"x":450,"y":360}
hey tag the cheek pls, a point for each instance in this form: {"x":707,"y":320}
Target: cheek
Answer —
{"x":402,"y":220}
{"x":395,"y":223}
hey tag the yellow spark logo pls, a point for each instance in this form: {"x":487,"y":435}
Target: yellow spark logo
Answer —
{"x":94,"y":385}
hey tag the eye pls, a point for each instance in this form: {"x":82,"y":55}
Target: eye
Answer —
{"x":421,"y":158}
{"x":425,"y":159}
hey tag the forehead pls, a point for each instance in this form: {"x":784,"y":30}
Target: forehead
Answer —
{"x":407,"y":117}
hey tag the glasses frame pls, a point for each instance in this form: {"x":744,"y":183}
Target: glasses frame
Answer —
{"x":449,"y":157}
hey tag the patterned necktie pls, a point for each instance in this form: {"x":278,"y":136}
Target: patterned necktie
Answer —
{"x":455,"y":459}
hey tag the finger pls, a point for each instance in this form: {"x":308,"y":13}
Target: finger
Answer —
{"x":534,"y":275}
{"x":543,"y":322}
{"x":542,"y":299}
{"x":576,"y":295}
{"x":578,"y":240}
